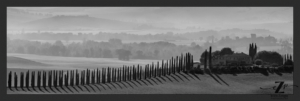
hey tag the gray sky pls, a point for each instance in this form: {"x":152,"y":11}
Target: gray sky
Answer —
{"x":279,"y":19}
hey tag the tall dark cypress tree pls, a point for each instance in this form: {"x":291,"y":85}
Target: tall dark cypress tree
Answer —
{"x":9,"y":80}
{"x":55,"y":78}
{"x":39,"y":80}
{"x":61,"y":78}
{"x":67,"y":79}
{"x":97,"y":74}
{"x":141,"y":73}
{"x":108,"y":75}
{"x":205,"y":60}
{"x":77,"y":78}
{"x":138,"y":72}
{"x":22,"y":80}
{"x":250,"y":51}
{"x":255,"y":50}
{"x":49,"y":79}
{"x":72,"y":78}
{"x":32,"y":79}
{"x":210,"y":62}
{"x":27,"y":80}
{"x":16,"y":81}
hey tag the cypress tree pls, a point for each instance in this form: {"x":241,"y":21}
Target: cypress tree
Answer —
{"x":145,"y":72}
{"x":22,"y":80}
{"x":67,"y":79}
{"x":49,"y":79}
{"x":97,"y":74}
{"x":210,"y":62}
{"x":119,"y":74}
{"x":27,"y":80}
{"x":72,"y":78}
{"x":39,"y":80}
{"x":16,"y":81}
{"x":43,"y":79}
{"x":134,"y":73}
{"x":77,"y":78}
{"x":250,"y":51}
{"x":61,"y":78}
{"x":9,"y":80}
{"x":32,"y":79}
{"x":55,"y":78}
{"x":205,"y":60}
{"x":255,"y":50}
{"x":138,"y":72}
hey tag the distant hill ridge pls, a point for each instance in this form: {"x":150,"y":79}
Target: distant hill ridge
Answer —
{"x":73,"y":22}
{"x":22,"y":61}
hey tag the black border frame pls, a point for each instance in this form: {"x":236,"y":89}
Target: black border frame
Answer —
{"x":139,"y":3}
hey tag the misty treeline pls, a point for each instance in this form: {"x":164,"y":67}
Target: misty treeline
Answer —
{"x":98,"y":36}
{"x":114,"y":48}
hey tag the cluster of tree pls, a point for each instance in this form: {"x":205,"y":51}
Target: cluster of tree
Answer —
{"x":262,"y":57}
{"x":217,"y":53}
{"x":269,"y":57}
{"x":114,"y":48}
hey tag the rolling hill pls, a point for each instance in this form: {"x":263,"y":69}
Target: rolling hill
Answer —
{"x":22,"y":61}
{"x":75,"y":22}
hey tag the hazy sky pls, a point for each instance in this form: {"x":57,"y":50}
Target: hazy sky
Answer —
{"x":278,"y":19}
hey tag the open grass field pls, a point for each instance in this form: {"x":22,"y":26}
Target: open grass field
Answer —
{"x":174,"y":84}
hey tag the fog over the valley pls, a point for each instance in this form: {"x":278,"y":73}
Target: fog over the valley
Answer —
{"x":79,"y":31}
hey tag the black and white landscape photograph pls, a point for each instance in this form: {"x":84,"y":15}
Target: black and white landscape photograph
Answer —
{"x":149,"y":50}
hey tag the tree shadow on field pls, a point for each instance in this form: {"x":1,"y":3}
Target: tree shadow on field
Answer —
{"x":221,"y":79}
{"x":169,"y":78}
{"x":159,"y":80}
{"x":174,"y":78}
{"x":184,"y":76}
{"x":153,"y":81}
{"x":179,"y":77}
{"x":214,"y":77}
{"x":134,"y":83}
{"x":144,"y":82}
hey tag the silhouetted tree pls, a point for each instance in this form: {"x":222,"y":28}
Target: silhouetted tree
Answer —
{"x":203,"y":56}
{"x":226,"y":51}
{"x":270,"y":57}
{"x":289,"y":62}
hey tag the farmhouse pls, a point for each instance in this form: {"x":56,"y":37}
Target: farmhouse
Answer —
{"x":234,"y":59}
